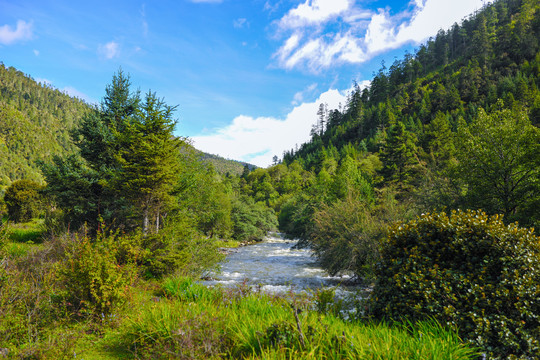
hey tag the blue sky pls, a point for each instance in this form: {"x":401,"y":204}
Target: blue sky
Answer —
{"x":247,"y":76}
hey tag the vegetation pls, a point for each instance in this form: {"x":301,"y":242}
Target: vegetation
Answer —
{"x":469,"y":271}
{"x":22,"y":200}
{"x":126,"y":215}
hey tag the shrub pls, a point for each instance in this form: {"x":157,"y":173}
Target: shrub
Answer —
{"x":177,"y":248}
{"x":90,"y":279}
{"x":466,"y":270}
{"x":345,"y":236}
{"x":23,"y":200}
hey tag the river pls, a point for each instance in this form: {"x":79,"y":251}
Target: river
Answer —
{"x":276,"y":267}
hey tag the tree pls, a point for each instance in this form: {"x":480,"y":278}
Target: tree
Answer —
{"x":399,"y":155}
{"x":148,"y":159}
{"x":499,"y":160}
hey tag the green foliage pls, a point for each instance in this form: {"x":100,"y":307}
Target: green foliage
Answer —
{"x":251,"y":221}
{"x":177,"y":248}
{"x":345,"y":237}
{"x":186,"y":289}
{"x":75,"y":189}
{"x":147,"y":159}
{"x":399,"y":156}
{"x":499,"y":161}
{"x":90,"y":280}
{"x":469,"y":271}
{"x":23,"y":200}
{"x":29,"y":232}
{"x":211,"y":323}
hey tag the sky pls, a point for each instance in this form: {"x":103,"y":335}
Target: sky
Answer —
{"x":247,"y":76}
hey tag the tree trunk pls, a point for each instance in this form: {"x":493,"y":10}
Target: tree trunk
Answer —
{"x":145,"y":221}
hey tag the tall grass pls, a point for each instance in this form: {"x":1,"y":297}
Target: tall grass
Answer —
{"x":192,"y":321}
{"x":31,"y":231}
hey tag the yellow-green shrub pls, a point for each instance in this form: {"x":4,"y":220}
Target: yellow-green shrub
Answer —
{"x":91,"y":280}
{"x":467,"y":270}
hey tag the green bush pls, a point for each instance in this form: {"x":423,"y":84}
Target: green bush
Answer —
{"x":23,"y":200}
{"x":468,"y":271}
{"x":177,"y":248}
{"x":90,"y":280}
{"x":345,"y":237}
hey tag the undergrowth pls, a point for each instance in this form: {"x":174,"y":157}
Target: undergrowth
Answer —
{"x":190,"y":321}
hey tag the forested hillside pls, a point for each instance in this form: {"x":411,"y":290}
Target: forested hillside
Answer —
{"x":35,"y":120}
{"x":454,"y":125}
{"x":35,"y":124}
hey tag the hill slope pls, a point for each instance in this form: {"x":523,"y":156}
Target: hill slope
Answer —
{"x":35,"y":120}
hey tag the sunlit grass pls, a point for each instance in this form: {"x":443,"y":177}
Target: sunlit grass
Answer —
{"x":26,"y":232}
{"x":193,"y":321}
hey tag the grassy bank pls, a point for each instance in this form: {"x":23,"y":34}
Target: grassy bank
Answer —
{"x":175,"y":317}
{"x":182,"y":319}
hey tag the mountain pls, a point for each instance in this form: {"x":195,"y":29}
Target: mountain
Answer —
{"x":225,"y":166}
{"x":35,"y":124}
{"x":492,"y":55}
{"x":35,"y":121}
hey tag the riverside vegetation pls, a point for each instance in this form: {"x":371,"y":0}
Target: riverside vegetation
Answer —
{"x":124,"y":215}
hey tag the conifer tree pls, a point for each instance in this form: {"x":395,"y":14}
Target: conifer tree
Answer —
{"x":399,"y":155}
{"x":148,"y":159}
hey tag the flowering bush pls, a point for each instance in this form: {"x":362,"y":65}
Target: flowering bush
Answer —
{"x":469,"y":271}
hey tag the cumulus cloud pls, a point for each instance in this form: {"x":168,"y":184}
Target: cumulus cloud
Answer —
{"x":310,"y":39}
{"x":314,"y":12}
{"x":110,"y":50}
{"x":23,"y":31}
{"x":257,"y":139}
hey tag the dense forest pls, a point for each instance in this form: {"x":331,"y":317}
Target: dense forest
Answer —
{"x":417,"y":187}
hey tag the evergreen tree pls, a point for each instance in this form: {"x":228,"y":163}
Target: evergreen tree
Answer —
{"x":148,"y":160}
{"x":399,"y":156}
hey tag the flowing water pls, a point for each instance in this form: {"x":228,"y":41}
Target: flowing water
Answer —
{"x":276,"y":267}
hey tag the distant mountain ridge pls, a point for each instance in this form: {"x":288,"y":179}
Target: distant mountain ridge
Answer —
{"x":35,"y":123}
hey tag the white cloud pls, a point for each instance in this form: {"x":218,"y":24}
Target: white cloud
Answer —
{"x":258,"y":139}
{"x":313,"y":43}
{"x":240,"y":23}
{"x":110,"y":50}
{"x":23,"y":31}
{"x":314,"y":12}
{"x":71,"y":91}
{"x":36,"y":52}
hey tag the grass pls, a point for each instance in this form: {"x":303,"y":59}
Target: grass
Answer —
{"x":192,"y":321}
{"x":178,"y":318}
{"x":21,"y":238}
{"x":31,"y":231}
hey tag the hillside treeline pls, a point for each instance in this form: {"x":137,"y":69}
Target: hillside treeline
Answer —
{"x":453,"y":126}
{"x":35,"y":120}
